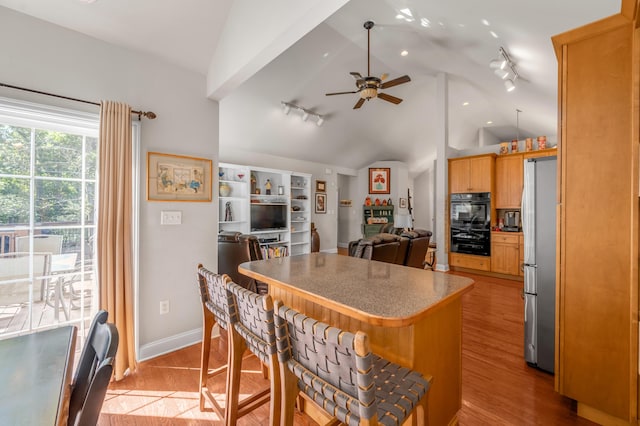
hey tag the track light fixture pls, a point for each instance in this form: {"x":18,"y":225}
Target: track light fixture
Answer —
{"x":287,"y":107}
{"x":505,"y":68}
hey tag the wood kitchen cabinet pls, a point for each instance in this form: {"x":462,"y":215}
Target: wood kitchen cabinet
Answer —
{"x":597,"y":294}
{"x":505,"y":253}
{"x":509,"y":177}
{"x":471,"y":174}
{"x":469,"y":261}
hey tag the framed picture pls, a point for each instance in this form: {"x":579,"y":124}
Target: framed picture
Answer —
{"x":321,"y":203}
{"x":321,"y":186}
{"x":178,"y":178}
{"x":403,"y":203}
{"x":379,"y":180}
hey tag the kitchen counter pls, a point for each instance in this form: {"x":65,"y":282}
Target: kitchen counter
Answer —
{"x":413,"y":317}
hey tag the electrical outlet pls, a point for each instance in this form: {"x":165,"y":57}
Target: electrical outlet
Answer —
{"x":164,"y":307}
{"x":171,"y":217}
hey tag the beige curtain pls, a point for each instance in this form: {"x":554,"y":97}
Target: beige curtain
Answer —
{"x":115,"y":218}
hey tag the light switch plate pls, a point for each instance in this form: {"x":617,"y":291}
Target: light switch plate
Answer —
{"x":171,"y":217}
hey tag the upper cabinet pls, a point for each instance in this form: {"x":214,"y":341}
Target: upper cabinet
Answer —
{"x":471,"y":174}
{"x":509,"y":181}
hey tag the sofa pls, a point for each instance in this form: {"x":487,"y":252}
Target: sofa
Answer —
{"x":407,"y":248}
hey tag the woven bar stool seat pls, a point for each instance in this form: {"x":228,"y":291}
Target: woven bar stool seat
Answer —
{"x":215,"y":309}
{"x":337,"y":370}
{"x":251,"y":326}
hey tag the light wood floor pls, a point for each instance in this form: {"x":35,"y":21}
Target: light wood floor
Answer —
{"x":498,"y":388}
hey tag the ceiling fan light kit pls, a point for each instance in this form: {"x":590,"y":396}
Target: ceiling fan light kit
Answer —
{"x":504,"y":68}
{"x":369,"y":86}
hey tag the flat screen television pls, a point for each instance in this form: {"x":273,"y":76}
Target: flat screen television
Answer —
{"x":268,"y":216}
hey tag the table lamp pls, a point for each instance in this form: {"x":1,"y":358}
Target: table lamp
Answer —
{"x":403,"y":221}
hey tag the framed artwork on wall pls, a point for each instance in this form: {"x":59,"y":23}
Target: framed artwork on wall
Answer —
{"x":403,"y":203}
{"x":321,"y":203}
{"x":173,"y":177}
{"x":380,"y":180}
{"x":321,"y":186}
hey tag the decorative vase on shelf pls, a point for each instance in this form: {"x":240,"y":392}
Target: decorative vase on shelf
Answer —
{"x":225,"y":189}
{"x":315,"y":239}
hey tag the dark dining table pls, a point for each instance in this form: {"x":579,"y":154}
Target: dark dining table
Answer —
{"x":35,"y":377}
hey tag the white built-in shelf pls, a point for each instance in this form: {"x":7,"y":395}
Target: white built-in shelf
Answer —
{"x":276,"y":243}
{"x":300,"y":244}
{"x":269,"y":231}
{"x":232,"y":198}
{"x":232,"y":221}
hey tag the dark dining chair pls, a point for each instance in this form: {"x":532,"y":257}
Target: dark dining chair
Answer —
{"x":235,"y":248}
{"x":336,"y":369}
{"x":93,"y":373}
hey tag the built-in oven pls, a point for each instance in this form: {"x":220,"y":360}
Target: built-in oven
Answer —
{"x":470,"y":221}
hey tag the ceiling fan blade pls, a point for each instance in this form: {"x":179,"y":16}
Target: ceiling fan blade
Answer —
{"x":395,"y":82}
{"x":389,"y":98}
{"x":356,"y":75}
{"x":359,"y":103}
{"x":340,"y":93}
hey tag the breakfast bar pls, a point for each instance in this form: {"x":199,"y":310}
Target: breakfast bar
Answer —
{"x":413,"y":316}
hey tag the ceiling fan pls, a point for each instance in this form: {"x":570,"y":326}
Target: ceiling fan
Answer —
{"x":368,"y":86}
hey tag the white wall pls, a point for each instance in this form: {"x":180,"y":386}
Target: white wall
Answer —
{"x":349,"y":217}
{"x":45,"y":57}
{"x":327,"y":224}
{"x":424,"y":199}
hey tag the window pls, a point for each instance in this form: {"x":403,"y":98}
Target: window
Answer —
{"x":48,"y":184}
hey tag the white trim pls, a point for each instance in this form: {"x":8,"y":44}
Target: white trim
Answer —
{"x":333,"y":250}
{"x":173,"y":343}
{"x":28,"y":114}
{"x":135,"y":243}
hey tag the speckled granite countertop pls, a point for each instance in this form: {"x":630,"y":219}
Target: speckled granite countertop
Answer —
{"x":381,"y":293}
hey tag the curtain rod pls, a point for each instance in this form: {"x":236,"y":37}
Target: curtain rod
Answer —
{"x":148,"y":114}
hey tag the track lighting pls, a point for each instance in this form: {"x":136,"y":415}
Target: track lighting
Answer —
{"x":509,"y":85}
{"x":505,"y":68}
{"x":287,"y":107}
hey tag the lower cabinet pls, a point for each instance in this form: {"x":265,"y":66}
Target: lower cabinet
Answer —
{"x":482,"y":263}
{"x":505,"y":253}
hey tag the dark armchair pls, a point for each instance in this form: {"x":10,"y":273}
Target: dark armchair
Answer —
{"x":381,"y":247}
{"x":235,"y":248}
{"x":418,"y":246}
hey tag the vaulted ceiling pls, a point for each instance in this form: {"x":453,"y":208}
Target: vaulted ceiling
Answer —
{"x":451,"y":41}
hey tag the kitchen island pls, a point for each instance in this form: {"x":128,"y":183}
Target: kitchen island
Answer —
{"x":413,"y":317}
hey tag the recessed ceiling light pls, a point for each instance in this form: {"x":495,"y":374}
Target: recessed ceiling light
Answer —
{"x":485,"y":22}
{"x":399,"y":16}
{"x":87,"y":1}
{"x":493,"y":34}
{"x":461,"y":25}
{"x":404,"y":53}
{"x":489,"y":122}
{"x":465,"y":103}
{"x":326,"y":54}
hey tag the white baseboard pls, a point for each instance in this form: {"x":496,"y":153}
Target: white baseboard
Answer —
{"x":172,"y":343}
{"x":343,"y":245}
{"x":333,"y":250}
{"x":442,"y":267}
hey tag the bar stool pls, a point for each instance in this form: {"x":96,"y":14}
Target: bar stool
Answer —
{"x":215,"y":309}
{"x":337,"y":370}
{"x":252,"y":327}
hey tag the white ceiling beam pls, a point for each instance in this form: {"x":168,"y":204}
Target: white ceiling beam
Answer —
{"x":256,"y":32}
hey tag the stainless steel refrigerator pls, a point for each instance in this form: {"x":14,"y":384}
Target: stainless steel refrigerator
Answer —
{"x":539,"y":229}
